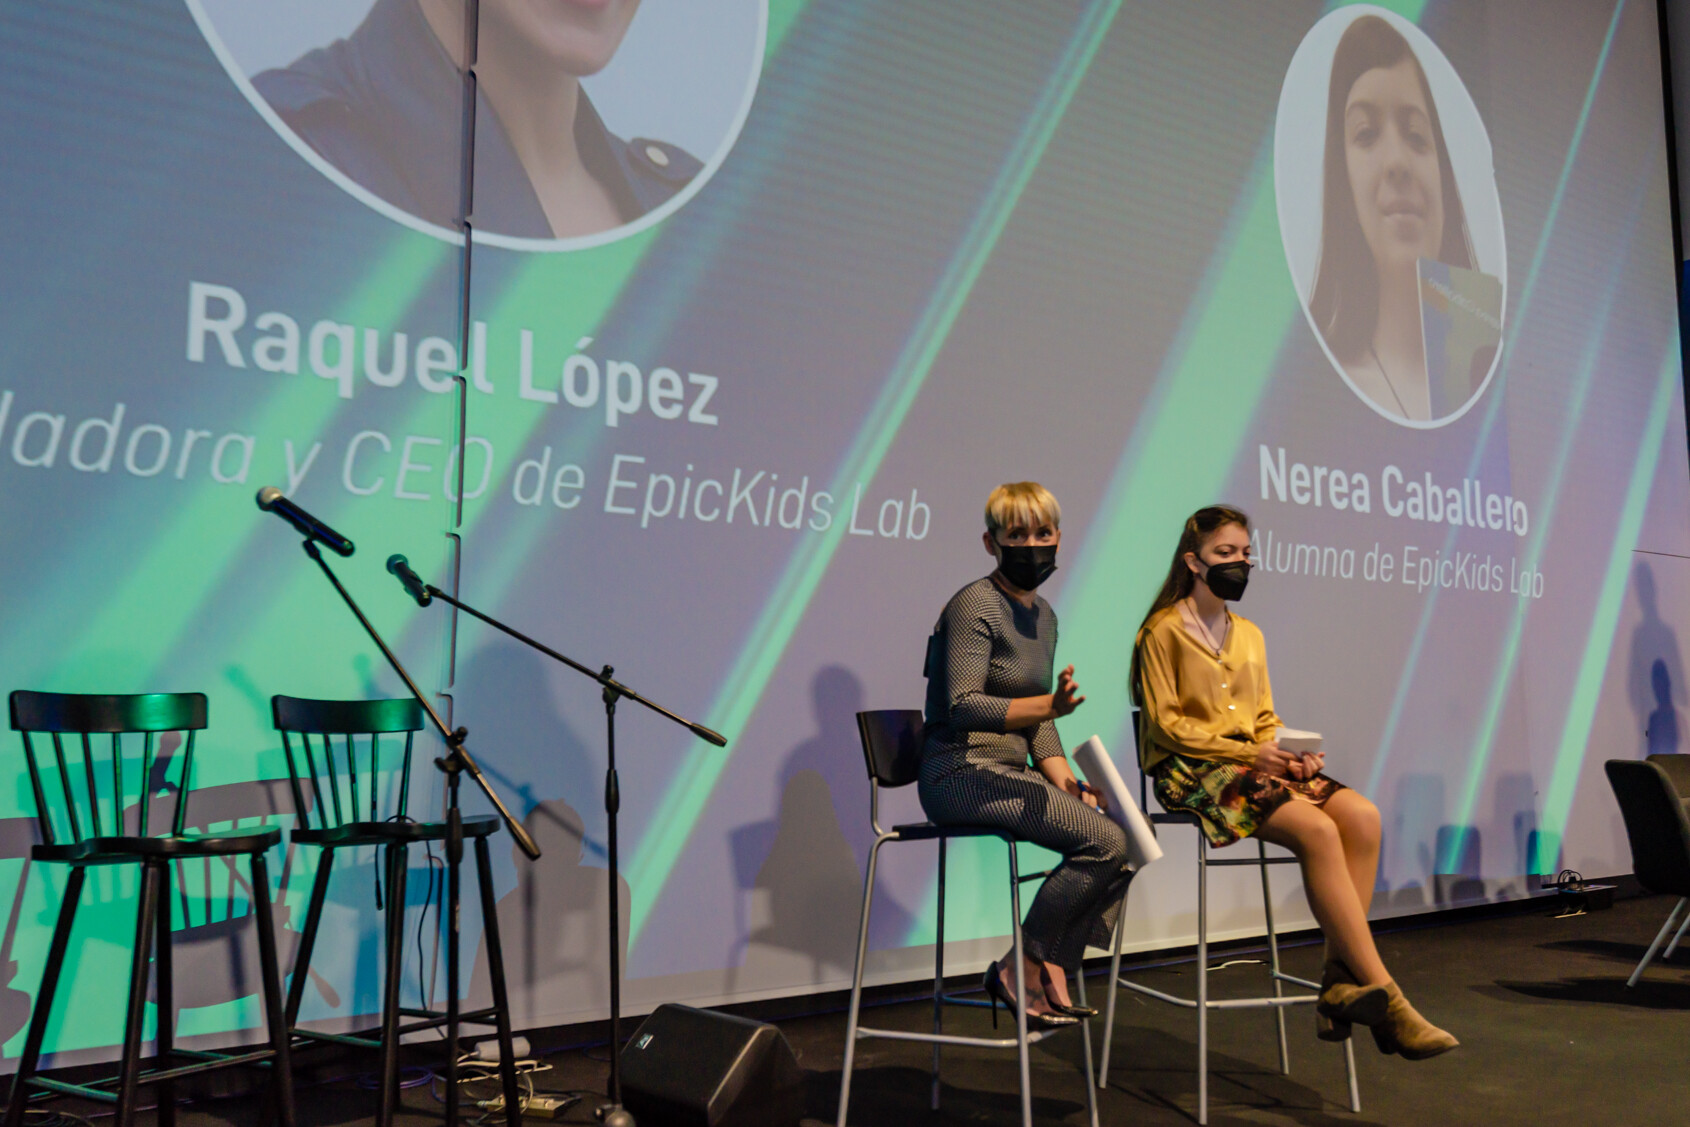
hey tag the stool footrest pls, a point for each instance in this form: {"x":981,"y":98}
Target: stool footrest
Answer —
{"x":306,"y":1036}
{"x":953,"y":1000}
{"x":207,"y":1063}
{"x":1225,"y":861}
{"x":1222,"y":1003}
{"x":432,"y":1019}
{"x":1034,"y":1036}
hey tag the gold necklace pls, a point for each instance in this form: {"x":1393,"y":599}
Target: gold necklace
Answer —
{"x":1208,"y":635}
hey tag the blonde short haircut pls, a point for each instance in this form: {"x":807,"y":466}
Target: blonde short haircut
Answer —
{"x":1025,"y":503}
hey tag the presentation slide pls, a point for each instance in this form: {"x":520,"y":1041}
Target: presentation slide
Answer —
{"x":766,"y":297}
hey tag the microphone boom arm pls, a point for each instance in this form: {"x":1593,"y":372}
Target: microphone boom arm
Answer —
{"x":457,"y":755}
{"x":612,"y":686}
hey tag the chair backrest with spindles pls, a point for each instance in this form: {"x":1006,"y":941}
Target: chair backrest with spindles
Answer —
{"x":83,"y":791}
{"x":317,"y":733}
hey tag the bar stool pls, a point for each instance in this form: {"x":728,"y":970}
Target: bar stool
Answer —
{"x":892,"y":741}
{"x":85,"y":820}
{"x":1277,"y":1001}
{"x":381,"y":821}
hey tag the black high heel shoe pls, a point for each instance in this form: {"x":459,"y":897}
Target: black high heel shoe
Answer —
{"x":998,"y":992}
{"x":1072,"y":1011}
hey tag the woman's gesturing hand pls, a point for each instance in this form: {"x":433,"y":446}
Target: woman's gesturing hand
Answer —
{"x":1066,"y":698}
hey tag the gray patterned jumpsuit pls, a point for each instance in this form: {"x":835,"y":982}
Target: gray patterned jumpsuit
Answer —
{"x":986,"y":650}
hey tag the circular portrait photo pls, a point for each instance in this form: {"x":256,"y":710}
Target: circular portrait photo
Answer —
{"x":1390,"y":217}
{"x":594,"y":118}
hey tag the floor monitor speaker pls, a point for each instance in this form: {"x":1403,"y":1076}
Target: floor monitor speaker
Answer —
{"x":688,"y":1067}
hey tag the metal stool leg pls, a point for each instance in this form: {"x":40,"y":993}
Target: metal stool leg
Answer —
{"x":1350,"y":1072}
{"x":1202,"y":980}
{"x":129,"y":1073}
{"x":857,"y":983}
{"x":1273,"y":960}
{"x":496,"y":976}
{"x":44,"y":998}
{"x":1672,"y":917}
{"x":1085,"y":1034}
{"x":1109,"y":1006}
{"x":1020,"y":993}
{"x":939,"y":976}
{"x":308,"y":937}
{"x":165,"y":994}
{"x":1678,"y":935}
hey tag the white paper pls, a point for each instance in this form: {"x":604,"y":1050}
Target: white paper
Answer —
{"x":1296,"y":740}
{"x":1093,"y":759}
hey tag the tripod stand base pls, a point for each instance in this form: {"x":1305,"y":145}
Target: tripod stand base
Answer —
{"x":614,"y":1115}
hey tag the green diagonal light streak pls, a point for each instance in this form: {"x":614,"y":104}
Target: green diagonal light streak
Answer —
{"x":1479,"y":759}
{"x":683,"y":803}
{"x":1484,"y":740}
{"x":133,"y":612}
{"x":589,"y":288}
{"x":1599,"y":643}
{"x":1405,"y":681}
{"x":1210,"y":383}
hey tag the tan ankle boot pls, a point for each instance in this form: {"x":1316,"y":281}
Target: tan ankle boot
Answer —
{"x":1332,"y":973}
{"x":1342,"y":1002}
{"x":1404,"y":1031}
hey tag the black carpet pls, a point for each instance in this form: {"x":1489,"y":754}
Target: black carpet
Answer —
{"x":1550,"y":1035}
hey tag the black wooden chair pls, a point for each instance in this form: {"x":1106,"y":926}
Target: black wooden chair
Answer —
{"x":892,"y":750}
{"x":359,"y":802}
{"x":83,"y":795}
{"x":1659,"y":832}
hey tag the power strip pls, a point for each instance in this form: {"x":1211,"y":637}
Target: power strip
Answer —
{"x":540,"y":1107}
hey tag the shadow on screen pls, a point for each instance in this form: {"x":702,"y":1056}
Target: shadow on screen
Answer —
{"x":1516,"y":808}
{"x":553,"y":926}
{"x":1459,"y":852}
{"x":1412,"y":837}
{"x":800,"y":874}
{"x":215,"y":947}
{"x":1655,"y":671}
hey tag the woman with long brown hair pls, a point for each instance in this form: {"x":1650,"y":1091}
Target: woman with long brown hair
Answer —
{"x":1389,"y":199}
{"x":1209,"y":740}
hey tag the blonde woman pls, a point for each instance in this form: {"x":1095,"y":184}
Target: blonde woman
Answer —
{"x":992,"y":756}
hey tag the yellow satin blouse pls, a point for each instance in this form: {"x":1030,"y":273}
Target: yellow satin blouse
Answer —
{"x":1197,"y":704}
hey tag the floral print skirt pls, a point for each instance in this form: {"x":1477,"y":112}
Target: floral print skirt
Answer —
{"x":1230,"y":799}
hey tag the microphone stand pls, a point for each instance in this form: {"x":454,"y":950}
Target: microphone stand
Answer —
{"x":454,"y":764}
{"x":612,"y":1114}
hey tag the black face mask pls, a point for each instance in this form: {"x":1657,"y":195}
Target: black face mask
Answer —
{"x":1228,"y":580}
{"x":1027,"y":565}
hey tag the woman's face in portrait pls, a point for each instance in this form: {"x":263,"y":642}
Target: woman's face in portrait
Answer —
{"x":1393,"y":164}
{"x":578,"y":36}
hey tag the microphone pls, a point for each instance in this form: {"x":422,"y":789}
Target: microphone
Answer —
{"x":271,"y":500}
{"x":400,"y":567}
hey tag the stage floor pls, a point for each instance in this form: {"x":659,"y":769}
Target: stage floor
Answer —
{"x":1550,"y":1035}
